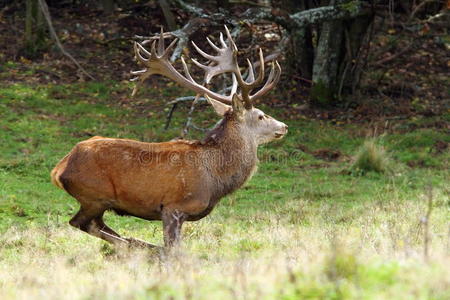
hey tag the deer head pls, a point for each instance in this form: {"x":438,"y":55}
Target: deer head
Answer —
{"x":238,"y":105}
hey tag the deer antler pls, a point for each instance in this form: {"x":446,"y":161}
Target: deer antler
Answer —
{"x":225,"y":61}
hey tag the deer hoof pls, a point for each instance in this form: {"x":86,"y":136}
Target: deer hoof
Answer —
{"x":137,"y":243}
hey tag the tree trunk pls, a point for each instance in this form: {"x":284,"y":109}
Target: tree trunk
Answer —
{"x":326,"y":63}
{"x":351,"y":66}
{"x":34,"y":29}
{"x":301,"y":53}
{"x":337,"y":63}
{"x":168,"y":15}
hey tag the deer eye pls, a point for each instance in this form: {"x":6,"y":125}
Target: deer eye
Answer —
{"x":261,"y":117}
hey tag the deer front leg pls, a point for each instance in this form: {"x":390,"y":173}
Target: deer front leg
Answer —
{"x":172,"y":222}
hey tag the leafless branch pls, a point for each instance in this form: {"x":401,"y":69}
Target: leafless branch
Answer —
{"x":195,"y":100}
{"x":418,"y":8}
{"x":44,"y":8}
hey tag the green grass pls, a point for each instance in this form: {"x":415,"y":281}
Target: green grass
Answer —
{"x":302,"y":228}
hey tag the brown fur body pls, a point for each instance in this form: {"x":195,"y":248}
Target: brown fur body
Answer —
{"x":143,"y":179}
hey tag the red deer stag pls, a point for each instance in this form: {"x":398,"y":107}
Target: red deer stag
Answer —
{"x":173,"y":181}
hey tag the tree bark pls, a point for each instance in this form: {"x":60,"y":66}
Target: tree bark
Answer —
{"x":301,"y":53}
{"x":351,"y":67}
{"x":168,"y":15}
{"x":327,"y":62}
{"x":337,"y":63}
{"x":34,"y":29}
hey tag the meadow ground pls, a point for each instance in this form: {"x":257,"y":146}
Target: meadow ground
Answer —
{"x":307,"y":226}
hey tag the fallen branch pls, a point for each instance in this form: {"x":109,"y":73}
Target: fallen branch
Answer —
{"x":393,"y":56}
{"x":44,"y":8}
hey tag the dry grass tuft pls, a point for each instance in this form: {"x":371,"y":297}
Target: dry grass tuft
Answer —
{"x":372,"y":157}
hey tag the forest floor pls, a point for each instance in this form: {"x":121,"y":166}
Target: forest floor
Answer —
{"x":308,"y":224}
{"x":405,"y":75}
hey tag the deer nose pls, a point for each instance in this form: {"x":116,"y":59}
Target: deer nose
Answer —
{"x":285,"y":127}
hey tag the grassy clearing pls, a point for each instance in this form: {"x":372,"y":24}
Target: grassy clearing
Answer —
{"x":303,"y":228}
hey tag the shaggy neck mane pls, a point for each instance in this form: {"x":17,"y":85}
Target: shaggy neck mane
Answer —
{"x":235,"y":152}
{"x":217,"y":134}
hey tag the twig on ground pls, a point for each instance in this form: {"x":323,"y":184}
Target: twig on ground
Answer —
{"x":393,"y":56}
{"x":426,"y":223}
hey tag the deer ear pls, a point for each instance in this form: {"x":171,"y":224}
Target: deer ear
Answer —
{"x":238,"y":105}
{"x":219,"y":107}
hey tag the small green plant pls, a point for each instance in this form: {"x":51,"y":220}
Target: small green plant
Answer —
{"x":321,"y":95}
{"x":371,"y":157}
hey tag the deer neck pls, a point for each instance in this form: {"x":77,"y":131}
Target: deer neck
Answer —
{"x":235,"y":155}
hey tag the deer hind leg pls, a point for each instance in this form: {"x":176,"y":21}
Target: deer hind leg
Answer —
{"x":172,"y":222}
{"x":87,"y":221}
{"x":132,"y":242}
{"x":98,"y":221}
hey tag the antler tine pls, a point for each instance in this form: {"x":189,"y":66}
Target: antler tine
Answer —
{"x":251,"y":73}
{"x":186,"y":70}
{"x":206,"y":68}
{"x":213,"y":45}
{"x":153,"y":50}
{"x":203,"y":53}
{"x":262,"y":70}
{"x":137,"y":50}
{"x":234,"y":86}
{"x":169,"y":48}
{"x":272,"y":80}
{"x":161,"y":43}
{"x":222,"y":41}
{"x":230,"y":39}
